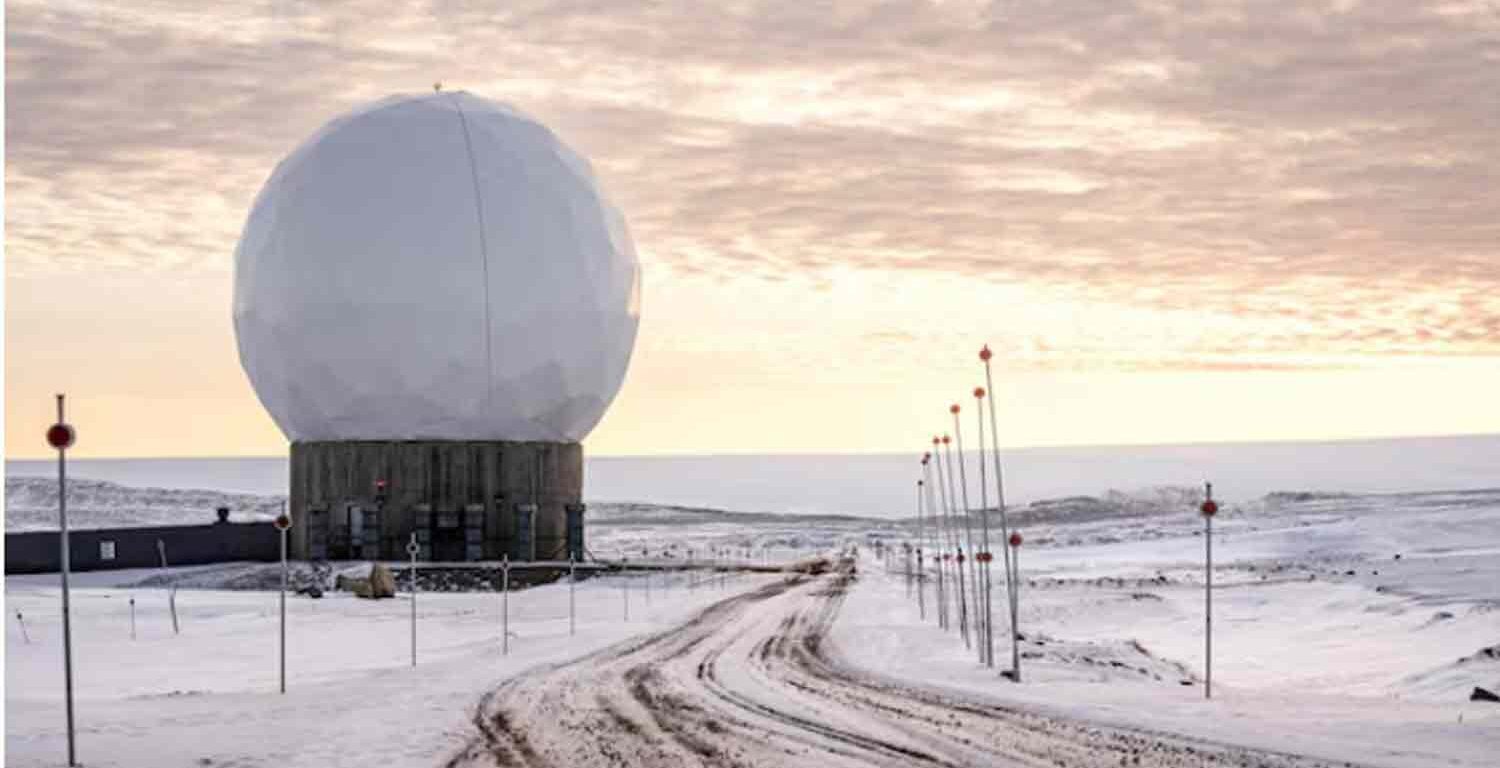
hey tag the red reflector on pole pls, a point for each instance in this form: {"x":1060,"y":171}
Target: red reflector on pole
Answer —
{"x":1015,"y":539}
{"x":978,"y":393}
{"x":984,"y":354}
{"x":1210,"y":508}
{"x":60,"y":436}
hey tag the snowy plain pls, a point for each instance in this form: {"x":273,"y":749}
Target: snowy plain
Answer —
{"x":208,"y":696}
{"x":1327,"y":643}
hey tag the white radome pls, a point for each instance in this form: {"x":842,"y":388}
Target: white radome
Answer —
{"x":435,"y":267}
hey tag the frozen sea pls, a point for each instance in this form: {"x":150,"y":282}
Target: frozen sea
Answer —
{"x":882,"y":485}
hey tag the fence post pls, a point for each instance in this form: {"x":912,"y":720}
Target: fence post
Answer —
{"x":412,"y":548}
{"x":505,"y":604}
{"x":1209,"y":509}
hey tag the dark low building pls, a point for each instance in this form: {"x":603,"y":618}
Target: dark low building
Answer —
{"x":98,"y":549}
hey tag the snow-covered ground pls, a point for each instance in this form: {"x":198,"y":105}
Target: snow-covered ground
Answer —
{"x":1326,"y":643}
{"x":1346,"y":627}
{"x":209,"y":695}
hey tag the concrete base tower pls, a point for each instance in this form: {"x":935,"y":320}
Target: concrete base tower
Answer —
{"x":466,"y":500}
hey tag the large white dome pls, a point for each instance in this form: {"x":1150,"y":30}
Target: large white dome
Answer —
{"x":435,"y":267}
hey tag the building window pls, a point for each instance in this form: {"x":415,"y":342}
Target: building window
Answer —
{"x":106,"y":550}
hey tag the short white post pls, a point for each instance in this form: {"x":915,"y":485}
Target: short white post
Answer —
{"x":22,"y":622}
{"x":132,"y":618}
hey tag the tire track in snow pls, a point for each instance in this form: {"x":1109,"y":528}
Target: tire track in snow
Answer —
{"x":749,"y":681}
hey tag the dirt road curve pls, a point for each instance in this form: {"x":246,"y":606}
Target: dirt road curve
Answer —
{"x":748,"y":683}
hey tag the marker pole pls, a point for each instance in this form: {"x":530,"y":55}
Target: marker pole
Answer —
{"x":62,"y":521}
{"x":921,"y":574}
{"x":938,"y":501}
{"x":961,"y":573}
{"x":974,"y":565}
{"x":572,"y":596}
{"x":938,"y":548}
{"x":984,"y":521}
{"x":989,"y":384}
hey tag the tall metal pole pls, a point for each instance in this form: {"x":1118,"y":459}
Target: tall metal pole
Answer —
{"x":989,"y":384}
{"x":62,"y":522}
{"x":625,"y":585}
{"x":921,"y":576}
{"x":938,"y":549}
{"x":965,"y":544}
{"x":944,"y":537}
{"x":572,"y":596}
{"x":974,"y":564}
{"x":984,"y":520}
{"x":939,"y":500}
{"x":945,"y":484}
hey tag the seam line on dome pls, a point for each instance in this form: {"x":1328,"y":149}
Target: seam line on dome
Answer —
{"x":484,"y":255}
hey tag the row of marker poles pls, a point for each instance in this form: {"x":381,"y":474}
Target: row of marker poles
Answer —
{"x":945,"y":531}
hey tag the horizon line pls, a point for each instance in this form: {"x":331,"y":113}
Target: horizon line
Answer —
{"x":746,"y":454}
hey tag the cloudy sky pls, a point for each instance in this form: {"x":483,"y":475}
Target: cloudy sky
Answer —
{"x":1206,"y":220}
